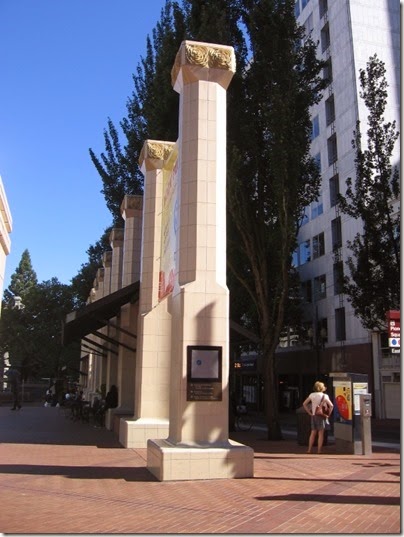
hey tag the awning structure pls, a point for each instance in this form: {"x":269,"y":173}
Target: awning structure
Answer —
{"x":242,"y":336}
{"x":80,"y":324}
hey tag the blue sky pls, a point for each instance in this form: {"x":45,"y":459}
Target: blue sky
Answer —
{"x":65,"y":67}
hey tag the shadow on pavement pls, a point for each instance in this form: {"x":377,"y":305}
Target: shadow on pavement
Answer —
{"x":80,"y":472}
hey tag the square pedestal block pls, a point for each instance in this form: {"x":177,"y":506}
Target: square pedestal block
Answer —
{"x":169,"y":462}
{"x":113,"y":415}
{"x":134,"y":433}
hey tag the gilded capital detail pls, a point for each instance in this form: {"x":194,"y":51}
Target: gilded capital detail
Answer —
{"x":155,"y":150}
{"x":116,"y":235}
{"x":132,"y":201}
{"x":203,"y":55}
{"x":107,"y":258}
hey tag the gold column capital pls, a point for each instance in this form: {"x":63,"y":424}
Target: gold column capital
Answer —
{"x":154,"y":153}
{"x":195,"y":59}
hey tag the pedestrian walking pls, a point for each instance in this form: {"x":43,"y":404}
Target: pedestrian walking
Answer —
{"x":14,"y":380}
{"x":319,"y":408}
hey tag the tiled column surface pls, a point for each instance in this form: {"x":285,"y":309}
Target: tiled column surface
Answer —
{"x":116,"y":238}
{"x":100,"y":361}
{"x":116,"y":242}
{"x":131,"y":210}
{"x":198,"y":446}
{"x":107,"y":266}
{"x":106,"y":290}
{"x":132,"y":213}
{"x":88,"y":348}
{"x":154,"y":325}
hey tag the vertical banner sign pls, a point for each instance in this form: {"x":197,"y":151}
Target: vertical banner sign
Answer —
{"x":169,"y":225}
{"x":393,"y":320}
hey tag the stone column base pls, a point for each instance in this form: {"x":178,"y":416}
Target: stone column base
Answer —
{"x":134,"y":433}
{"x":113,"y":417}
{"x":169,"y":462}
{"x":113,"y":413}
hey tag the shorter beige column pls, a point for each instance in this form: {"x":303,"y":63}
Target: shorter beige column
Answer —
{"x":132,"y":211}
{"x":150,"y":418}
{"x":114,"y":260}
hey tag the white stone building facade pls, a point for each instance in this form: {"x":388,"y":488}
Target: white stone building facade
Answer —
{"x":349,"y":32}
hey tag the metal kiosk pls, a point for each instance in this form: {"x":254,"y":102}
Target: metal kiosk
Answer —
{"x":352,"y":413}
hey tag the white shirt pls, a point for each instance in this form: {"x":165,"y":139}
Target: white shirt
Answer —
{"x":316,"y":398}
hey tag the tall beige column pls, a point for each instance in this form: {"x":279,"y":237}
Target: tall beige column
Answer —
{"x":106,"y":290}
{"x":99,"y":362}
{"x":106,"y":280}
{"x":154,"y":325}
{"x":131,"y":210}
{"x":115,"y":279}
{"x":132,"y":213}
{"x":198,"y":446}
{"x":93,"y":354}
{"x":116,"y":238}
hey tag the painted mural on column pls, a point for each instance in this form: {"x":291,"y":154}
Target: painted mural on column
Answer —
{"x":169,"y":225}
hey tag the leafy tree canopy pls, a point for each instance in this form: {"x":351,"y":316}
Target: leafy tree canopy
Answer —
{"x":31,"y":333}
{"x":22,"y":280}
{"x":373,"y":286}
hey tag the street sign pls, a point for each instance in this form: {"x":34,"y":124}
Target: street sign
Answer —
{"x":393,"y":320}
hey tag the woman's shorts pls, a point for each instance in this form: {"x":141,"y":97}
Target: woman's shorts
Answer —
{"x":317,"y":423}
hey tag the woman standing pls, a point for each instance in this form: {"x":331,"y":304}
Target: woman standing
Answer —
{"x":318,"y":423}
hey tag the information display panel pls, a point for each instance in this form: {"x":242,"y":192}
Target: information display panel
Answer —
{"x":204,"y":373}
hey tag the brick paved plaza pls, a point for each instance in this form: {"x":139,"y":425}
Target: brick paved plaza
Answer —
{"x":59,"y":476}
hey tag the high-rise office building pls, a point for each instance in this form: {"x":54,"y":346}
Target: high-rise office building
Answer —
{"x":348,"y":33}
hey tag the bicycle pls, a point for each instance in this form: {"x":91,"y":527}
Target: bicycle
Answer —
{"x":243,"y":421}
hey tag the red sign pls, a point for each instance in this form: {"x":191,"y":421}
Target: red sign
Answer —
{"x":393,"y":321}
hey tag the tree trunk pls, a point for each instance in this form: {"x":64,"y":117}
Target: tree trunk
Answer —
{"x":271,"y":398}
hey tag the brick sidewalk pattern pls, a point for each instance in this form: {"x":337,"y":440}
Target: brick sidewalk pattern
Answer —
{"x":59,"y":476}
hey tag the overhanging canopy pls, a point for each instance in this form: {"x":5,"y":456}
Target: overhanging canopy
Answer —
{"x":79,"y":324}
{"x":96,"y":315}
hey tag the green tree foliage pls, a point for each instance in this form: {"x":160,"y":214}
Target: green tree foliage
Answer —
{"x":31,"y":333}
{"x":272,"y":176}
{"x":84,"y":279}
{"x":373,"y":286}
{"x":21,"y":281}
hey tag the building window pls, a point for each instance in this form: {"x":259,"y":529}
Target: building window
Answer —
{"x":318,"y":246}
{"x":322,"y":331}
{"x":297,"y":9}
{"x":338,"y":271}
{"x":317,"y":160}
{"x":325,"y":38}
{"x":329,"y":110}
{"x":306,"y":291}
{"x":323,"y":8}
{"x":332,"y":149}
{"x":336,"y":233}
{"x":340,"y":334}
{"x":327,"y":71}
{"x":315,"y":128}
{"x":308,"y":24}
{"x":317,"y":207}
{"x":334,"y":190}
{"x":320,"y":287}
{"x":304,"y":252}
{"x":304,"y":3}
